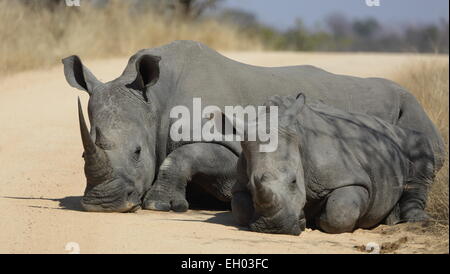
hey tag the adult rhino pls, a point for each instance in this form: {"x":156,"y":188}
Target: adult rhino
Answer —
{"x":128,"y":146}
{"x":335,"y":170}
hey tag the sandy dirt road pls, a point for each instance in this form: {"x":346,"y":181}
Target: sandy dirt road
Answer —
{"x":41,"y":178}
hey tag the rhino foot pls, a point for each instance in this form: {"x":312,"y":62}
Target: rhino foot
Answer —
{"x":159,"y":206}
{"x":175,"y":205}
{"x":153,"y":202}
{"x":415,"y":215}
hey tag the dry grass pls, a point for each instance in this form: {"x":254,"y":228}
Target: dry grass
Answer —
{"x":429,"y":82}
{"x":34,"y":38}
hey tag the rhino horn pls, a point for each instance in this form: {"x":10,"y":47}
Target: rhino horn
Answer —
{"x":263,"y":193}
{"x":97,"y":166}
{"x":89,"y":146}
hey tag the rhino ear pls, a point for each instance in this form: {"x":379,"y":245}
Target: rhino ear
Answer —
{"x":147,"y":72}
{"x":78,"y":76}
{"x":298,"y":104}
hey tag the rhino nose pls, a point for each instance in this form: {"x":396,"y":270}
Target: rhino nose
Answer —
{"x":132,"y":202}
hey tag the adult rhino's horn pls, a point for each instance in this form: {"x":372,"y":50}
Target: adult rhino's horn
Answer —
{"x":88,"y":144}
{"x":97,"y":166}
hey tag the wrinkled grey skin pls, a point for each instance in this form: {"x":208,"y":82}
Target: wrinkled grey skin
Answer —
{"x":338,"y":170}
{"x":132,"y":115}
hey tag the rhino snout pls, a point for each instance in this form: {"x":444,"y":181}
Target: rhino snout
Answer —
{"x":112,"y":199}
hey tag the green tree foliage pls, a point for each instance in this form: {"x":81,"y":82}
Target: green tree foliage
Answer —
{"x":338,"y":33}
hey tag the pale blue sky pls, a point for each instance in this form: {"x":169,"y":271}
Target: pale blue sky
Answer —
{"x":282,"y":13}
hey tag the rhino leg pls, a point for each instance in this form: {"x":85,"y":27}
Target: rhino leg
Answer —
{"x":413,"y":202}
{"x":209,"y":165}
{"x":344,"y":207}
{"x":413,"y":116}
{"x":422,"y":167}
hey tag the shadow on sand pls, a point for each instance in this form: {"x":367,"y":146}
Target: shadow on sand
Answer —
{"x":73,"y":203}
{"x":221,"y":218}
{"x":66,"y":203}
{"x":226,"y":219}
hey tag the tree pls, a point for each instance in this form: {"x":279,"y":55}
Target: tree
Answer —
{"x":298,"y":37}
{"x":240,"y":18}
{"x":191,"y":9}
{"x":338,"y":25}
{"x":366,"y":28}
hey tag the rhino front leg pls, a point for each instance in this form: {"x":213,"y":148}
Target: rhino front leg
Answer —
{"x":212,"y":166}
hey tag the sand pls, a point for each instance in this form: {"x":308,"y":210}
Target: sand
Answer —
{"x":42,"y":180}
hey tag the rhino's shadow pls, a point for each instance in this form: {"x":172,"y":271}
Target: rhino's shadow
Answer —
{"x":71,"y":203}
{"x":223,"y":218}
{"x":226,"y":219}
{"x":65,"y":203}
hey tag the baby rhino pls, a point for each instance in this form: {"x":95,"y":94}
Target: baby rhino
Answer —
{"x":332,"y":170}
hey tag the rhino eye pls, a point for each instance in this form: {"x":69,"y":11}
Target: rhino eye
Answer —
{"x":137,"y":153}
{"x":293,"y":185}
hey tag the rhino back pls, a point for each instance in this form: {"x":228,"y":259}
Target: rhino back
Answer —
{"x":202,"y":72}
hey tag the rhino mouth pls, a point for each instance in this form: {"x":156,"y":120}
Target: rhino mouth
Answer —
{"x":134,"y":209}
{"x":265,"y":225}
{"x":117,"y":205}
{"x":279,"y":223}
{"x":113,"y":196}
